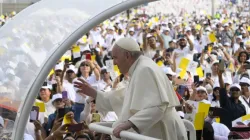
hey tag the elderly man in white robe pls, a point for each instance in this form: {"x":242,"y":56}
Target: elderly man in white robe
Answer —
{"x":147,"y":105}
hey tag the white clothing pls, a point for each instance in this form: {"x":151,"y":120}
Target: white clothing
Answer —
{"x":27,"y":137}
{"x":49,"y":109}
{"x":221,"y":131}
{"x":243,"y":101}
{"x":69,"y":87}
{"x":215,"y":104}
{"x":92,"y":81}
{"x":148,"y":103}
{"x":183,"y":53}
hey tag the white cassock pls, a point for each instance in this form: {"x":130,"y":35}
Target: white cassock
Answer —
{"x":148,"y":102}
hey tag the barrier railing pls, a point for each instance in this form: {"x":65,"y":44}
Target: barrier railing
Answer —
{"x":105,"y":128}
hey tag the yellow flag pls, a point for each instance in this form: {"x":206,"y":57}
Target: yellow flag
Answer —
{"x":217,"y":120}
{"x":51,"y":72}
{"x":116,"y":69}
{"x":93,"y":57}
{"x":84,"y":38}
{"x":65,"y":57}
{"x":198,"y":27}
{"x":160,"y":63}
{"x":212,"y":37}
{"x":41,"y":106}
{"x":231,"y":67}
{"x":199,"y":71}
{"x":246,"y":117}
{"x":199,"y":120}
{"x":76,"y":49}
{"x":225,"y":21}
{"x":248,"y":28}
{"x":156,"y":19}
{"x":210,"y":49}
{"x":66,"y":120}
{"x":183,"y":73}
{"x":203,"y":108}
{"x":184,"y":63}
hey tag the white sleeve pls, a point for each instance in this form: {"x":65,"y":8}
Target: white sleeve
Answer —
{"x":146,"y":118}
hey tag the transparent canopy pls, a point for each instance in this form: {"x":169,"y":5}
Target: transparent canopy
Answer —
{"x":32,"y":42}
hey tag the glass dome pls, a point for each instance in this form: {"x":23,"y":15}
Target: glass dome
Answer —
{"x":32,"y":42}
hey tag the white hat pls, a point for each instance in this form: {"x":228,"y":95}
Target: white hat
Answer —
{"x":220,"y":45}
{"x":73,"y":68}
{"x":208,"y":29}
{"x":235,"y":85}
{"x":245,"y":80}
{"x":59,"y":67}
{"x":240,"y":37}
{"x":168,"y":70}
{"x":132,"y":29}
{"x":188,"y":29}
{"x":201,"y":88}
{"x":56,"y":96}
{"x":1,"y":121}
{"x":149,"y":35}
{"x":214,"y":62}
{"x":227,"y":44}
{"x":111,"y":28}
{"x":243,"y":32}
{"x":165,"y":29}
{"x":225,"y":25}
{"x":48,"y":86}
{"x":128,"y":44}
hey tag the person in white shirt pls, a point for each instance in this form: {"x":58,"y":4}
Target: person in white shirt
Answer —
{"x":183,"y":50}
{"x":105,"y":84}
{"x":45,"y":96}
{"x":199,"y":95}
{"x":110,"y":37}
{"x":245,"y":97}
{"x":150,"y":46}
{"x":215,"y":102}
{"x":89,"y":73}
{"x":68,"y":82}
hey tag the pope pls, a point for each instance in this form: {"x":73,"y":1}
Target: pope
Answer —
{"x":147,"y":105}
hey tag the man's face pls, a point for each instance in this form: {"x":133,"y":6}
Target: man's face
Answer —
{"x":131,"y":33}
{"x":244,"y":87}
{"x":215,"y":67}
{"x":71,"y":74}
{"x":152,"y":41}
{"x":120,"y":59}
{"x":183,"y":42}
{"x":170,"y":25}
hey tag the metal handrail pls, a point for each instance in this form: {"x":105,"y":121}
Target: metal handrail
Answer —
{"x":105,"y":129}
{"x":190,"y":127}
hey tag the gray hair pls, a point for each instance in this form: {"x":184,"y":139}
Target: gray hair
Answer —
{"x":134,"y":54}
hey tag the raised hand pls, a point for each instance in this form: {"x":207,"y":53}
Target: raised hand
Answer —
{"x":85,"y":88}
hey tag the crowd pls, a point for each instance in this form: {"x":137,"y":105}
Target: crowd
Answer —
{"x":205,"y":58}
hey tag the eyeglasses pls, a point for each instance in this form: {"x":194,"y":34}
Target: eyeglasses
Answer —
{"x":84,"y":65}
